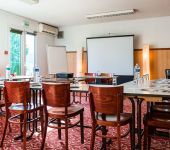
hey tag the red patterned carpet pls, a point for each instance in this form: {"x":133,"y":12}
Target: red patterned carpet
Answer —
{"x":52,"y":142}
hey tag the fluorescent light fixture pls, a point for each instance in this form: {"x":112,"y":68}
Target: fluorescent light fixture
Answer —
{"x":30,"y":1}
{"x":111,"y":13}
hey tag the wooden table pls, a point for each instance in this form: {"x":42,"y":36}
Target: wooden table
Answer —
{"x":150,"y":91}
{"x":20,"y":77}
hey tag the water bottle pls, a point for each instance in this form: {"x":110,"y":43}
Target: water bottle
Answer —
{"x":7,"y":72}
{"x":114,"y":79}
{"x":136,"y":72}
{"x":36,"y":74}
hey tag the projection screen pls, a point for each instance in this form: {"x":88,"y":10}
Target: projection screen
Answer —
{"x":111,"y":54}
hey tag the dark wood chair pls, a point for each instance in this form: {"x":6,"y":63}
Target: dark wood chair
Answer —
{"x":106,"y":107}
{"x":56,"y":97}
{"x":163,"y":106}
{"x":106,"y":81}
{"x":2,"y":102}
{"x":18,"y":105}
{"x":88,"y":81}
{"x":157,"y":117}
{"x":154,"y":120}
{"x":167,"y":73}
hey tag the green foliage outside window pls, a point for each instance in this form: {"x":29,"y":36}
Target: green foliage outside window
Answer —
{"x":15,"y":53}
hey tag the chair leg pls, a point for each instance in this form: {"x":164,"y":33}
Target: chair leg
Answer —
{"x":104,"y":133}
{"x":4,"y":133}
{"x":21,"y":120}
{"x":132,"y":134}
{"x":45,"y":132}
{"x":59,"y":130}
{"x":150,"y":131}
{"x":25,"y":131}
{"x":80,"y":97}
{"x":149,"y":142}
{"x":66,"y":133}
{"x":118,"y":137}
{"x":145,"y":143}
{"x":86,"y":97}
{"x":82,"y":127}
{"x":42,"y":122}
{"x":93,"y":132}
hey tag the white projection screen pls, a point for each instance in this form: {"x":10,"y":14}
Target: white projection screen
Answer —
{"x":57,"y":59}
{"x":113,"y":54}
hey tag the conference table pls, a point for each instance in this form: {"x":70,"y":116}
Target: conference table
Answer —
{"x":20,"y":77}
{"x":148,"y":91}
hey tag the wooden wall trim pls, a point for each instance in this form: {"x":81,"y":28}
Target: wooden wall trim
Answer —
{"x":71,"y":52}
{"x":140,"y":49}
{"x":153,"y":49}
{"x":159,"y":61}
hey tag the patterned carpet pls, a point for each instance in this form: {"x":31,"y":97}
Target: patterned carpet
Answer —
{"x":52,"y":142}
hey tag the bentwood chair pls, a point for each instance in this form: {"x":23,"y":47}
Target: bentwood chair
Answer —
{"x":163,"y":106}
{"x":2,"y":102}
{"x":106,"y":107}
{"x":154,"y":120}
{"x":18,"y":106}
{"x":88,"y":80}
{"x":56,"y":97}
{"x":157,"y":118}
{"x":167,"y":73}
{"x":106,"y":80}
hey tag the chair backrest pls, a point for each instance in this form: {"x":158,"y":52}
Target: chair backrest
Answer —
{"x":56,"y":94}
{"x":106,"y":80}
{"x":167,"y":73}
{"x":17,"y":92}
{"x":89,"y":80}
{"x":106,"y":100}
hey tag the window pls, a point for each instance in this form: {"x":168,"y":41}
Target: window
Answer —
{"x":29,"y":53}
{"x":15,"y":52}
{"x":22,"y":52}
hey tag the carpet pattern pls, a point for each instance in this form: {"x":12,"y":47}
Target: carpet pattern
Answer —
{"x":53,"y":143}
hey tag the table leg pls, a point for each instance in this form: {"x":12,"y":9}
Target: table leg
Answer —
{"x":74,"y":97}
{"x":139,"y":132}
{"x":133,"y":120}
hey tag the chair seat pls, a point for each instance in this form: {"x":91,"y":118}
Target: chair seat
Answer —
{"x":2,"y":103}
{"x":162,"y":108}
{"x":112,"y":119}
{"x":157,"y":121}
{"x":60,"y":111}
{"x":20,"y":107}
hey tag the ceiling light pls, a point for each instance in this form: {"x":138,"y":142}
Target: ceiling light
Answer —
{"x":111,"y":13}
{"x":30,"y":1}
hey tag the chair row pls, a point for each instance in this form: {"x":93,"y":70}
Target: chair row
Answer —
{"x":56,"y":108}
{"x":106,"y":107}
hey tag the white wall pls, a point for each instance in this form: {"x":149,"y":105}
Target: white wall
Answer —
{"x":13,"y":21}
{"x":153,"y":31}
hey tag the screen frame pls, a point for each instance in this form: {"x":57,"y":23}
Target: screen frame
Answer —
{"x":110,"y":37}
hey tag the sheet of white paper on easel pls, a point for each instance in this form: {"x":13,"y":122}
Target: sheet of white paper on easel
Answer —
{"x":57,"y":59}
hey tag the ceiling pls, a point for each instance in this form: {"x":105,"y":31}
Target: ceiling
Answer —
{"x":73,"y":12}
